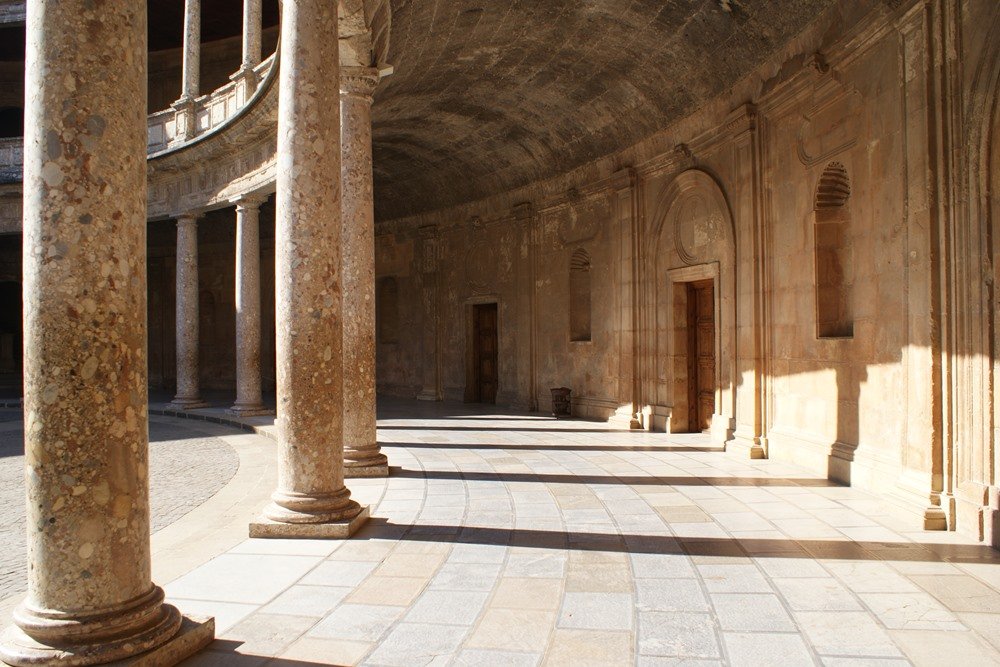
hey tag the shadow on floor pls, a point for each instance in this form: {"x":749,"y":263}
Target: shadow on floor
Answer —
{"x":611,"y":479}
{"x":689,"y":546}
{"x":554,"y":448}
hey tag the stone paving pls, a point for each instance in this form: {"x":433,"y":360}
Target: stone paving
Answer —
{"x":514,"y":539}
{"x":186,"y":468}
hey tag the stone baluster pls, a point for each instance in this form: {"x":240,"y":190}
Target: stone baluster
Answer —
{"x":90,"y":595}
{"x":187,"y":322}
{"x":311,"y":499}
{"x":248,"y":332}
{"x":362,"y":455}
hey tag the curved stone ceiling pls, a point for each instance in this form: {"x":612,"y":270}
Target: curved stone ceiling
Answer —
{"x":488,"y":96}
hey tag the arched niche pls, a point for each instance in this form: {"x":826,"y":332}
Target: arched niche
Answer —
{"x":692,"y":249}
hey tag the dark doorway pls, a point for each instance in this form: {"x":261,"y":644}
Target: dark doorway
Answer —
{"x":10,"y":334}
{"x":701,"y":354}
{"x":484,"y":355}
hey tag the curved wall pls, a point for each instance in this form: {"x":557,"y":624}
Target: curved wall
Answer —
{"x":869,"y":408}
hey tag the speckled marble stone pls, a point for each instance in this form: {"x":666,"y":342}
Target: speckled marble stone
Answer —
{"x":308,"y":288}
{"x":362,"y":455}
{"x":248,"y":386}
{"x":188,"y":393}
{"x":90,"y":594}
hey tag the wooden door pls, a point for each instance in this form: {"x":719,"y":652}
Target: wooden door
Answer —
{"x":701,"y":354}
{"x":485,"y":352}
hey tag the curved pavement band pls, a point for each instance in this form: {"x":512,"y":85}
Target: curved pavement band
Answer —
{"x":186,"y":469}
{"x":505,"y":538}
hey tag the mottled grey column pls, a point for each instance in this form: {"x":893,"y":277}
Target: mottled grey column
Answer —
{"x":246,"y":77}
{"x":191,"y":58}
{"x":311,"y":499}
{"x":251,"y":33}
{"x":90,"y":596}
{"x":362,"y":455}
{"x":248,"y":392}
{"x":188,"y":394}
{"x":184,"y":107}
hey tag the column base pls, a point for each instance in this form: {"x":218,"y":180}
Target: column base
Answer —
{"x":428,"y":395}
{"x":194,"y":634}
{"x":187,"y":404}
{"x":367,"y":462}
{"x":249,"y":411}
{"x":751,"y":448}
{"x":366,"y":470}
{"x":333,"y":530}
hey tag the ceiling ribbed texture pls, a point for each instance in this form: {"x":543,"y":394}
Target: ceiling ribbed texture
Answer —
{"x":489,"y":96}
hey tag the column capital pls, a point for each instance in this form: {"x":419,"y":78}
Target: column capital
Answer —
{"x":189,"y":217}
{"x":359,"y":81}
{"x":250,"y":200}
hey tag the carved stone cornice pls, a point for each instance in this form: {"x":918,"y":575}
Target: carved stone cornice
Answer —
{"x":623,"y":179}
{"x":523,"y":211}
{"x":742,"y":119}
{"x":359,"y":81}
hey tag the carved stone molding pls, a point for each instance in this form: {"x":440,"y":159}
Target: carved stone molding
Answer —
{"x":359,"y":81}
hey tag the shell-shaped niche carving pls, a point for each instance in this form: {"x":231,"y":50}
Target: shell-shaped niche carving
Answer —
{"x":697,"y":227}
{"x":699,"y":217}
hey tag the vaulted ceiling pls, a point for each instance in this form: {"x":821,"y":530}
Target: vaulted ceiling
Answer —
{"x":489,"y":95}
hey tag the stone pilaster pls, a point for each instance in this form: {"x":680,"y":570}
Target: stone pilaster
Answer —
{"x":188,"y":394}
{"x":362,"y":455}
{"x":311,"y":499}
{"x":248,"y":385}
{"x":90,"y":596}
{"x":190,"y":71}
{"x":428,"y":280}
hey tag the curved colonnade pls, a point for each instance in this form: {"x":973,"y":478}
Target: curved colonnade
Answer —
{"x":90,"y":596}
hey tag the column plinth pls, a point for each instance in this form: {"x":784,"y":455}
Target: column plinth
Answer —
{"x":362,"y":455}
{"x":311,"y":499}
{"x":187,"y":321}
{"x":91,"y":599}
{"x":249,"y":402}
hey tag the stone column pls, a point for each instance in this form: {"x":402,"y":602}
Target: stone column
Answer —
{"x":90,"y":596}
{"x":188,"y":394}
{"x":251,"y":33}
{"x":311,"y":499}
{"x":362,"y":455}
{"x":190,"y":71}
{"x":248,"y":393}
{"x":245,"y":77}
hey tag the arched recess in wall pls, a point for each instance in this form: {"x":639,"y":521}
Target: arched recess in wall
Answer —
{"x":579,"y":296}
{"x":387,"y":310}
{"x":692,"y":244}
{"x":834,"y":254}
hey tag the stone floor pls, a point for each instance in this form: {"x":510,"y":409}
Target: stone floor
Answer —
{"x":506,"y":539}
{"x":176,"y":486}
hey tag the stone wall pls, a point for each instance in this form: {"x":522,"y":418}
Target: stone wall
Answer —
{"x":872,"y":93}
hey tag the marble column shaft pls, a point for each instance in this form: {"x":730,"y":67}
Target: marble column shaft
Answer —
{"x":191,"y":58}
{"x":251,"y":33}
{"x":248,"y":384}
{"x":90,"y":596}
{"x":308,"y":288}
{"x":362,"y":455}
{"x":187,"y":320}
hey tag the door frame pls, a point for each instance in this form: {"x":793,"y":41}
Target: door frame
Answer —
{"x":677,"y":282}
{"x":471,"y":374}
